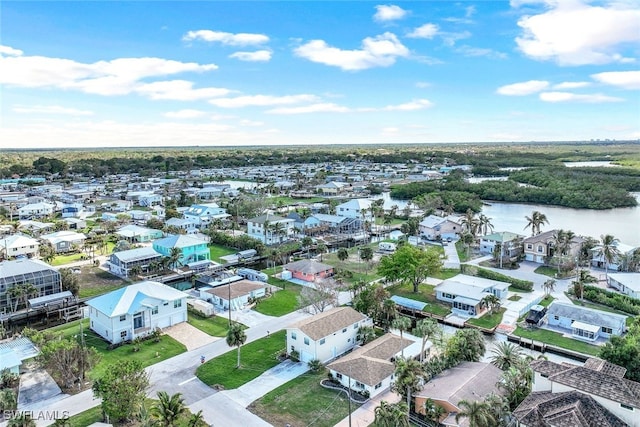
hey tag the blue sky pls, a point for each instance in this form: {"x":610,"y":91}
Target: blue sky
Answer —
{"x":162,"y":73}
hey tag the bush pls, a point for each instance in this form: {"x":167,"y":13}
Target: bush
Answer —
{"x":315,"y":365}
{"x":612,"y":299}
{"x":295,"y":355}
{"x":524,"y":285}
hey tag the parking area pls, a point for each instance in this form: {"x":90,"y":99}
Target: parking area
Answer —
{"x":190,"y":336}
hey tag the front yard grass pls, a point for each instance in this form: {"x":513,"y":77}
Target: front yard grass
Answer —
{"x":86,"y":418}
{"x":425,"y":294}
{"x":303,"y":401}
{"x":217,"y":251}
{"x":556,"y":339}
{"x":255,"y":358}
{"x":281,"y":302}
{"x":216,"y":326}
{"x":67,"y":259}
{"x":94,"y":281}
{"x":488,"y":320}
{"x":514,"y":298}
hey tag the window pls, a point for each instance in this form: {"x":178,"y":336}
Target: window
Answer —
{"x":359,"y":384}
{"x":123,"y":317}
{"x":294,"y":336}
{"x":355,"y":326}
{"x":622,"y":405}
{"x":529,"y":246}
{"x":322,"y":341}
{"x":306,"y":341}
{"x":123,"y":334}
{"x":177,"y":303}
{"x":339,"y":376}
{"x":540,"y":249}
{"x":154,"y":310}
{"x":607,"y":330}
{"x":377,"y":386}
{"x":344,"y":330}
{"x":556,"y":317}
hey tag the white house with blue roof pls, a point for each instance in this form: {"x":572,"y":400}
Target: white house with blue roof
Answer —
{"x":135,"y":311}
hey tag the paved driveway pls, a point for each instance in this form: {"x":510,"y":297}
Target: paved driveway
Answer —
{"x":190,"y":336}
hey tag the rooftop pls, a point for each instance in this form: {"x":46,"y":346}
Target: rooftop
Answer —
{"x":133,"y":298}
{"x":328,"y":322}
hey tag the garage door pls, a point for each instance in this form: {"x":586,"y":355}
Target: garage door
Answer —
{"x":178,"y":318}
{"x":306,"y":357}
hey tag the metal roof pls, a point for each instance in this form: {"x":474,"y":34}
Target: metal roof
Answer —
{"x":408,"y":303}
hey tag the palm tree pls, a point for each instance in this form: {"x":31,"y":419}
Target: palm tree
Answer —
{"x":168,"y":409}
{"x":174,"y":257}
{"x":548,"y":286}
{"x":388,"y":312}
{"x":365,"y":334}
{"x":499,"y":408}
{"x":470,"y":223}
{"x":343,"y":254}
{"x":505,"y":355}
{"x":535,"y":221}
{"x":235,"y":338}
{"x":633,"y":261}
{"x":584,"y":278}
{"x":433,"y":411}
{"x":484,"y":224}
{"x":478,"y":413}
{"x":490,"y":302}
{"x":401,"y":323}
{"x":429,"y":330}
{"x":321,"y":248}
{"x":136,"y":270}
{"x":608,"y":250}
{"x":467,"y":239}
{"x":197,"y":420}
{"x":391,"y":415}
{"x":516,"y":382}
{"x":409,"y":375}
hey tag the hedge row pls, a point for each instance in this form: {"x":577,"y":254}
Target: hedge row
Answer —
{"x":612,"y":299}
{"x":472,"y":270}
{"x":242,"y":242}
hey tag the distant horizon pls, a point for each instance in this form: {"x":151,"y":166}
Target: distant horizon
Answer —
{"x":220,"y":73}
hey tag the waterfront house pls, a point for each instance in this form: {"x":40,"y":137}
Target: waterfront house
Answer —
{"x":270,"y":229}
{"x":326,"y":335}
{"x":332,"y":188}
{"x":309,"y":270}
{"x":36,"y":210}
{"x":626,"y":283}
{"x":511,"y":243}
{"x":120,"y":263}
{"x":540,"y":248}
{"x":356,"y":208}
{"x":236,"y":294}
{"x":585,"y":323}
{"x":186,"y":225}
{"x":135,"y":311}
{"x":601,"y":380}
{"x":436,"y":227}
{"x":45,"y":278}
{"x":465,"y":293}
{"x":191,"y":248}
{"x":138,"y":234}
{"x":205,"y":213}
{"x":619,"y":262}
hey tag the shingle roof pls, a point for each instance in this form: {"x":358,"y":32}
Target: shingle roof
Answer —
{"x":586,"y":314}
{"x":328,"y":322}
{"x":307,"y":266}
{"x":467,"y":381}
{"x":238,"y":289}
{"x":132,"y":298}
{"x":570,"y":409}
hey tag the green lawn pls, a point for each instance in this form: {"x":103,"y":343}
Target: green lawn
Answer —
{"x":303,"y":402}
{"x":86,"y":418}
{"x":514,"y":298}
{"x":281,"y":302}
{"x":150,"y":351}
{"x":556,"y":339}
{"x":553,"y":272}
{"x":95,"y":281}
{"x":461,"y":248}
{"x":216,"y":326}
{"x":446,"y":273}
{"x":546,"y":301}
{"x":216,"y":251}
{"x":256,"y":357}
{"x":67,"y":259}
{"x":425,"y":294}
{"x":518,"y":290}
{"x":488,"y":321}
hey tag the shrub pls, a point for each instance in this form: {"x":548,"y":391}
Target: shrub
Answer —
{"x":295,"y":355}
{"x":612,"y":299}
{"x":525,"y":285}
{"x":315,"y":365}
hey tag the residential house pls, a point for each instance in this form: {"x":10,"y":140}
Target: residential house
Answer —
{"x":601,"y":380}
{"x":238,"y":294}
{"x":469,"y":381}
{"x":36,"y":210}
{"x":117,"y":205}
{"x":144,"y":198}
{"x":626,"y":283}
{"x":325,"y":335}
{"x":18,"y":246}
{"x":436,"y":227}
{"x":73,"y":210}
{"x":192,"y":249}
{"x":540,"y":248}
{"x":136,"y":311}
{"x":270,"y":229}
{"x":356,"y":208}
{"x":186,"y":225}
{"x":510,"y":243}
{"x":205,"y":213}
{"x":76,"y":223}
{"x":370,"y":369}
{"x":45,"y":278}
{"x":65,"y":240}
{"x":36,"y":228}
{"x":138,"y":216}
{"x":137,"y":234}
{"x":332,"y":188}
{"x":619,"y":262}
{"x":585,"y":323}
{"x":309,"y":270}
{"x":326,"y":223}
{"x":465,"y":293}
{"x":120,"y":263}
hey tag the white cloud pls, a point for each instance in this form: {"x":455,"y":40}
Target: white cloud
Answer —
{"x":450,"y":39}
{"x":426,"y":31}
{"x":386,"y":13}
{"x":227,"y":39}
{"x":595,"y":98}
{"x":379,"y":51}
{"x":524,"y":88}
{"x":477,"y":51}
{"x":51,"y":109}
{"x":624,"y":79}
{"x":116,"y":77}
{"x":257,"y":56}
{"x":179,"y":90}
{"x":261,"y":100}
{"x":9,"y":51}
{"x":313,"y":108}
{"x":184,"y":114}
{"x":574,"y":33}
{"x":417,"y":104}
{"x":571,"y":85}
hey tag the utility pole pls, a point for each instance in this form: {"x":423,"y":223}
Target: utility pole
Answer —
{"x":229,"y":302}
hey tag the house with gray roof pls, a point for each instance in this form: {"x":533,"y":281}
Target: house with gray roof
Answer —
{"x":625,"y":283}
{"x":120,"y":263}
{"x":309,"y":270}
{"x":204,"y":214}
{"x":511,"y":243}
{"x":45,"y":278}
{"x":464,"y":293}
{"x":435,"y":227}
{"x":326,"y":335}
{"x":585,"y":323}
{"x":601,"y":380}
{"x":138,"y":234}
{"x":65,"y":240}
{"x":136,"y":311}
{"x":370,"y":369}
{"x":356,"y":208}
{"x":270,"y":229}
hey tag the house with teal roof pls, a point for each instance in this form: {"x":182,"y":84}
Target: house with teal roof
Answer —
{"x":192,"y":248}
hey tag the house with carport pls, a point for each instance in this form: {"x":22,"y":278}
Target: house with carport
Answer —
{"x":326,"y":335}
{"x":135,"y":311}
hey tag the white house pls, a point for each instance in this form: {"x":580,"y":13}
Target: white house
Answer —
{"x":464,"y":293}
{"x":18,"y":245}
{"x":65,"y":240}
{"x":436,"y":227}
{"x":136,"y":311}
{"x":326,"y":335}
{"x":187,"y":225}
{"x":601,"y":380}
{"x":369,"y":369}
{"x":625,"y":252}
{"x":626,"y":283}
{"x":237,"y":294}
{"x":36,"y":210}
{"x":510,"y":243}
{"x":356,"y":208}
{"x":585,"y":323}
{"x":121,"y":262}
{"x":270,"y":229}
{"x":205,"y":213}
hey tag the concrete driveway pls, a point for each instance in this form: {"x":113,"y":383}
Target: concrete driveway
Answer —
{"x":190,"y":336}
{"x":453,"y":260}
{"x":36,"y":388}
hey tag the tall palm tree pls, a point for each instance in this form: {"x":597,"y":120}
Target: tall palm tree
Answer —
{"x":536,"y":221}
{"x":433,"y":411}
{"x":401,"y":323}
{"x":478,"y":413}
{"x":391,"y":415}
{"x":548,"y":286}
{"x":499,"y":408}
{"x":429,"y":330}
{"x":505,"y":355}
{"x":584,"y":278}
{"x":608,"y":250}
{"x":409,"y":375}
{"x":469,"y":223}
{"x":321,"y":248}
{"x":388,"y":312}
{"x":484,"y":224}
{"x":174,"y":257}
{"x":168,"y":409}
{"x":365,"y":334}
{"x":236,"y":337}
